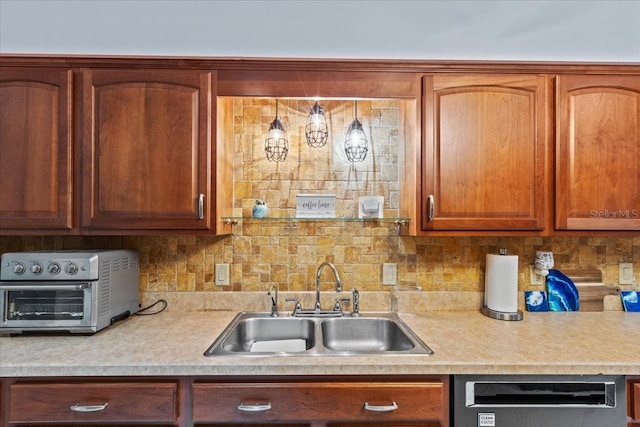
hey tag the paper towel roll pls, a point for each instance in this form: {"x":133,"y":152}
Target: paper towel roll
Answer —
{"x":501,"y":283}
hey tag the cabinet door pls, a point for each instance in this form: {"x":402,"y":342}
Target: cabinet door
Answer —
{"x":486,"y":156}
{"x":633,"y":400}
{"x":146,"y":149}
{"x":598,"y":153}
{"x":35,"y":150}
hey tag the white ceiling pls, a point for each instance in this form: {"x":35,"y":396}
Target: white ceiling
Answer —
{"x":531,"y":30}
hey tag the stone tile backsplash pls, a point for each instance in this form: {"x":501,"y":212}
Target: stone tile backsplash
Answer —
{"x":450,"y":270}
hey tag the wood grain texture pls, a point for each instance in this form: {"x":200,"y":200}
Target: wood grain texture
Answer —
{"x":35,"y":150}
{"x":486,"y":154}
{"x":598,"y":153}
{"x":592,"y":296}
{"x":146,"y":145}
{"x":320,"y":401}
{"x":635,"y":401}
{"x":126,"y":402}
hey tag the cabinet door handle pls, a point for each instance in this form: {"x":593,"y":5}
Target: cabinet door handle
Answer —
{"x":88,"y":408}
{"x":255,"y":407}
{"x":432,"y":203}
{"x":381,"y":408}
{"x":201,"y":206}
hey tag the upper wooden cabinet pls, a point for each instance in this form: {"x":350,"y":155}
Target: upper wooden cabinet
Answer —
{"x":35,"y":150}
{"x":147,"y":142}
{"x":92,"y":145}
{"x":485,"y":163}
{"x":598,"y":153}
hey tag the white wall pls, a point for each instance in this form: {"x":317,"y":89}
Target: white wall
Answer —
{"x":562,"y":30}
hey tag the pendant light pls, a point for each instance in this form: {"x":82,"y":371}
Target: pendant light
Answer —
{"x":316,"y":130}
{"x":355,"y":142}
{"x":276,"y":145}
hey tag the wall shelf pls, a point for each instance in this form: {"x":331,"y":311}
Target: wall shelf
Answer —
{"x":234,"y":220}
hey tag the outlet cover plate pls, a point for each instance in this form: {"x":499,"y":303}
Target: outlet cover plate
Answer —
{"x":625,"y":273}
{"x":389,"y":274}
{"x":534,"y":278}
{"x":222,"y":274}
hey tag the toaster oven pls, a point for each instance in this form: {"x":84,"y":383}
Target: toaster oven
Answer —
{"x":67,"y":291}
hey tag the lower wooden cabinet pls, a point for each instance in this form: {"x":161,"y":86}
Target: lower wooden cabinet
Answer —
{"x":379,"y":401}
{"x":633,"y":401}
{"x":333,"y":402}
{"x":80,"y":403}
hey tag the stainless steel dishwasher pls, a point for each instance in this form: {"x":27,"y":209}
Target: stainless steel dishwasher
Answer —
{"x":539,"y":401}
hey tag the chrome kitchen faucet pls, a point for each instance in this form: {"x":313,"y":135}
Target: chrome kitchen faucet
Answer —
{"x":317,"y":306}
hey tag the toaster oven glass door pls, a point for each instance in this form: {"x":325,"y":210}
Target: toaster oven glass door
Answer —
{"x":37,"y":304}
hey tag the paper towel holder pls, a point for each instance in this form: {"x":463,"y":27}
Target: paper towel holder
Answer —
{"x":502,"y":315}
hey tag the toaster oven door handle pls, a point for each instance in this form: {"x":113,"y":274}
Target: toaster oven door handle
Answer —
{"x":88,"y":408}
{"x":39,"y":287}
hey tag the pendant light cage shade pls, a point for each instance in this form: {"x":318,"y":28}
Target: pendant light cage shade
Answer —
{"x":276,"y":144}
{"x":316,"y":130}
{"x":355,"y":141}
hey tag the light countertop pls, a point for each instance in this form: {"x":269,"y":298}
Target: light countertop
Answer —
{"x":173,"y":343}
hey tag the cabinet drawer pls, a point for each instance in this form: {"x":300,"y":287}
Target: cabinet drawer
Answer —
{"x":370,"y":401}
{"x":92,"y":402}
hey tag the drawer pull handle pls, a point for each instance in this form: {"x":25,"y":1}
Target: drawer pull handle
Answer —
{"x":255,"y":407}
{"x":380,"y":408}
{"x":88,"y":408}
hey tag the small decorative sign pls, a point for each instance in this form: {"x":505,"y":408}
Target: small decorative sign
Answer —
{"x":315,"y":206}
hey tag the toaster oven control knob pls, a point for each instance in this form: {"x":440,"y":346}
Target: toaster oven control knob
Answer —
{"x":53,"y":268}
{"x":36,"y":268}
{"x":71,"y":268}
{"x":19,"y":268}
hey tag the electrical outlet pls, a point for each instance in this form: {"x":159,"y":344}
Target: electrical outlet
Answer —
{"x":534,"y":278}
{"x":222,"y":275}
{"x":389,"y":274}
{"x":625,"y":273}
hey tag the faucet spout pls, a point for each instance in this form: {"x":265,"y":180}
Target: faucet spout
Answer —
{"x":317,"y":306}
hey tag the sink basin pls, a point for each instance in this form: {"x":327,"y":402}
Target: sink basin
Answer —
{"x":364,"y":335}
{"x":258,"y":334}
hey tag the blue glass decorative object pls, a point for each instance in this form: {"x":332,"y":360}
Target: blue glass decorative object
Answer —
{"x":630,"y":300}
{"x":536,"y":301}
{"x":562,"y":293}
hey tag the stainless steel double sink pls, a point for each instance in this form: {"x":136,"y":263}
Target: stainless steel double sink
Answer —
{"x":259,"y":334}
